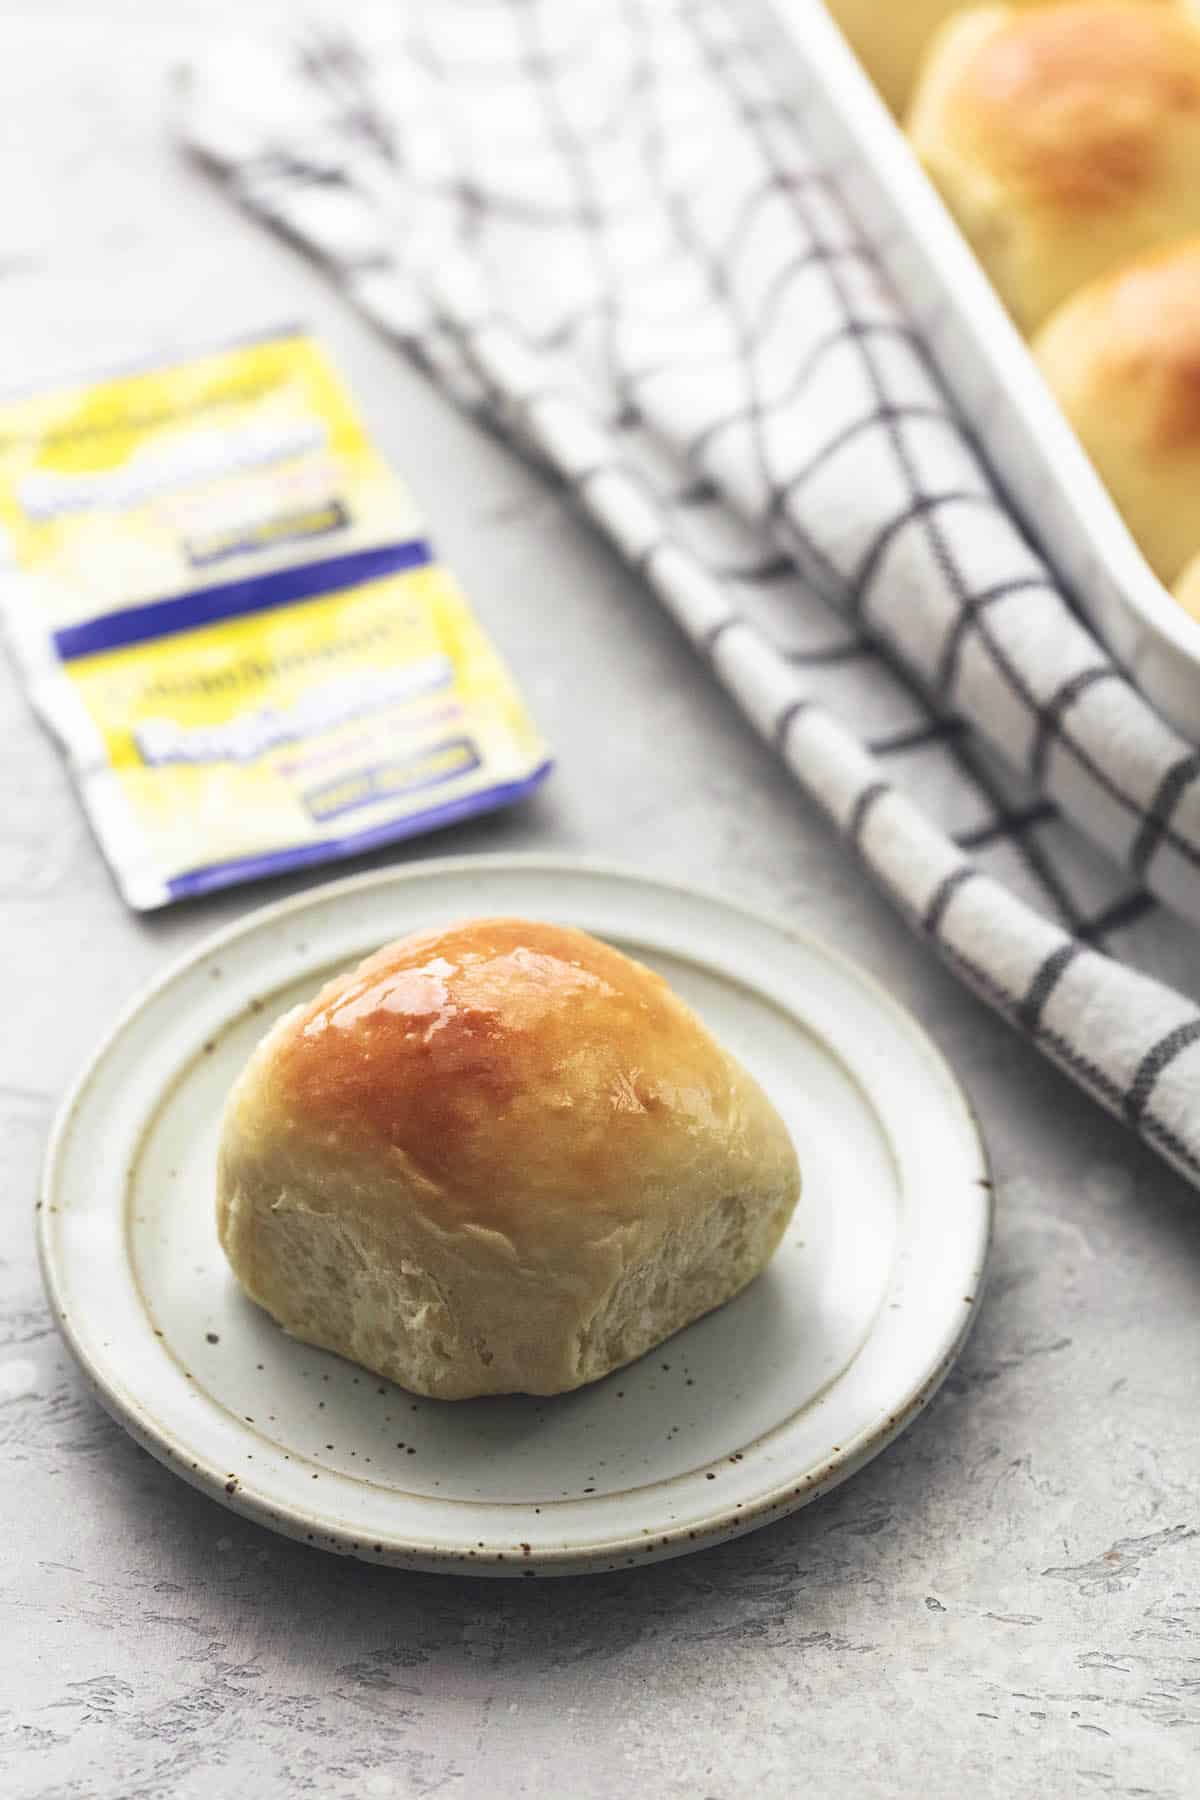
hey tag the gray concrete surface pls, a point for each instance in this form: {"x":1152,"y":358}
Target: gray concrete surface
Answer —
{"x":1005,"y":1604}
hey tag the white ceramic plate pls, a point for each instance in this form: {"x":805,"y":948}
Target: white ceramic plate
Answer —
{"x":743,"y":1417}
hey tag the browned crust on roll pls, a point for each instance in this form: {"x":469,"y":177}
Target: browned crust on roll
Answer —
{"x":1070,"y":104}
{"x":471,"y":1050}
{"x":1145,"y":324}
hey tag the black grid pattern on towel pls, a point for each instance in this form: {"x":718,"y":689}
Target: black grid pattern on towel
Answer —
{"x":603,"y":231}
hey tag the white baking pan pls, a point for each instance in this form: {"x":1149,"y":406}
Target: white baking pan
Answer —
{"x":984,"y":362}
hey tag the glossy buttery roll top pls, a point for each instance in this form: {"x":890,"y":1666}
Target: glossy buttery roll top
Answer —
{"x":1065,"y":139}
{"x":890,"y":40}
{"x":500,"y":1157}
{"x":1123,"y":359}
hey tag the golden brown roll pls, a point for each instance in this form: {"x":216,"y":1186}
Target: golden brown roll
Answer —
{"x":497,"y":1158}
{"x":1123,"y":358}
{"x":890,"y":40}
{"x":1064,"y":140}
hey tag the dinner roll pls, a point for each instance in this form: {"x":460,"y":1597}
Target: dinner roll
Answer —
{"x":500,"y":1157}
{"x":1065,"y":139}
{"x":1123,"y":357}
{"x":890,"y":41}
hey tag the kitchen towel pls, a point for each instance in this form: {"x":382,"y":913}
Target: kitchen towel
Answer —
{"x":602,"y":228}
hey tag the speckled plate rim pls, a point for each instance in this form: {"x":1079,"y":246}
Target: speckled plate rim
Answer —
{"x":944,"y":1163}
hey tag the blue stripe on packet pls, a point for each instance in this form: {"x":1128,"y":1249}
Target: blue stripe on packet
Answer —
{"x":300,"y":856}
{"x":235,"y":599}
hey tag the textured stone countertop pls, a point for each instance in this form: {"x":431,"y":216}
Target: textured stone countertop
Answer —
{"x":1007,"y":1603}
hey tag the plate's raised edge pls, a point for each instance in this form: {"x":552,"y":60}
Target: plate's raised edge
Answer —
{"x":776,"y":1502}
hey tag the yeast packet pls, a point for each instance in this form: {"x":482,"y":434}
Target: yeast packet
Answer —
{"x":227,"y":610}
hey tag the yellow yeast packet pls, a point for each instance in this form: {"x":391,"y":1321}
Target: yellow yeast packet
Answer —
{"x":227,"y":611}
